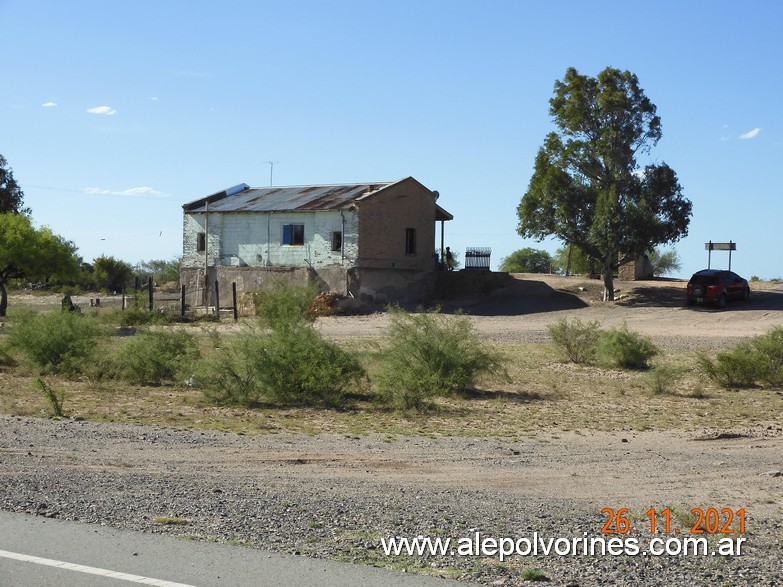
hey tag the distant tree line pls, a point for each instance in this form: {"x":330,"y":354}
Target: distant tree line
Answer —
{"x":571,"y":260}
{"x":37,"y":255}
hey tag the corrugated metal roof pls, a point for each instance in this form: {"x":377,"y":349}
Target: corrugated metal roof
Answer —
{"x":243,"y":198}
{"x":284,"y":199}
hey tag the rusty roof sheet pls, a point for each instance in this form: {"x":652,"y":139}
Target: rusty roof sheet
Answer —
{"x":243,"y":198}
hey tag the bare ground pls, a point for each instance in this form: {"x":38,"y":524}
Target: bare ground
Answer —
{"x":338,"y":495}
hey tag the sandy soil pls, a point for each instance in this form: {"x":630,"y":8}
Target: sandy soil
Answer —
{"x":375,"y":486}
{"x":522,"y":311}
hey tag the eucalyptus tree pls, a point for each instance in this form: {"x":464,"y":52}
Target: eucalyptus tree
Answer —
{"x":588,"y":188}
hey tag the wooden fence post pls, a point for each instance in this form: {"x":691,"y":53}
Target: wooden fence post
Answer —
{"x":149,"y":288}
{"x":217,"y":300}
{"x":234,"y":295}
{"x":182,"y":302}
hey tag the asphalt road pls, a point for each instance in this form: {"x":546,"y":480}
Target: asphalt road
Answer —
{"x":41,"y":552}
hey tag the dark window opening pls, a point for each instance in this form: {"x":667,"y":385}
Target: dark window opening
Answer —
{"x":201,"y":242}
{"x":293,"y":234}
{"x":337,"y":241}
{"x":410,"y":241}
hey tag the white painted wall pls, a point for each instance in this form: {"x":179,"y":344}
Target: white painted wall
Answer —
{"x":255,"y":239}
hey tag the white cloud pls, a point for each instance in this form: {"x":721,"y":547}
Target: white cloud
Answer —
{"x":49,"y":104}
{"x":751,"y":134}
{"x":154,"y":99}
{"x":144,"y":192}
{"x":107,"y":110}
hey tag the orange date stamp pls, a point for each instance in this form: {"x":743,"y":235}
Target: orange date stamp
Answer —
{"x":703,"y":521}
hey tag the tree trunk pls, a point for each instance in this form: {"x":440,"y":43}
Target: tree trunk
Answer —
{"x":3,"y":299}
{"x":608,"y":277}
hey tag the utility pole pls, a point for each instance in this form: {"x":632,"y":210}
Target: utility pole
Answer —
{"x":271,"y":169}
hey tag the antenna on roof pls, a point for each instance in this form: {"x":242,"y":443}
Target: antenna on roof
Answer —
{"x":271,"y":169}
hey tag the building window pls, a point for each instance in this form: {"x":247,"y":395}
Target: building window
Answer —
{"x":337,"y":241}
{"x":201,"y":242}
{"x":410,"y":241}
{"x":293,"y":234}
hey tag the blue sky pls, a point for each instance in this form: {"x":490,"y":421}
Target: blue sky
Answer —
{"x":114,"y":114}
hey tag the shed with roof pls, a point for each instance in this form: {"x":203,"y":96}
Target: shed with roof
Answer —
{"x":371,"y":241}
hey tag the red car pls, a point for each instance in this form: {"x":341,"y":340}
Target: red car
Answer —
{"x":717,"y":286}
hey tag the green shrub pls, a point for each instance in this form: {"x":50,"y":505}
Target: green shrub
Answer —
{"x":152,"y":357}
{"x":136,"y":313}
{"x":54,"y":399}
{"x":430,"y":354}
{"x":57,"y":342}
{"x":739,"y":367}
{"x":284,"y":303}
{"x":620,"y":347}
{"x":229,"y":376}
{"x":291,"y":365}
{"x":751,"y":362}
{"x":534,"y":575}
{"x":662,"y":379}
{"x":6,"y":360}
{"x":769,"y":347}
{"x":136,"y":316}
{"x":577,"y":341}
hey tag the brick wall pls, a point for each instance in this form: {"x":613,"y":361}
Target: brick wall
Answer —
{"x":383,"y":220}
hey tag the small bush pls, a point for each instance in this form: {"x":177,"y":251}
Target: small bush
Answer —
{"x":430,"y":354}
{"x":136,"y":314}
{"x":662,"y":379}
{"x":291,"y":365}
{"x":57,"y":342}
{"x":738,"y":367}
{"x":150,"y":358}
{"x":6,"y":360}
{"x":576,"y":340}
{"x":620,"y":347}
{"x":284,"y":303}
{"x":534,"y":575}
{"x":751,"y":362}
{"x":769,"y":347}
{"x":54,"y":399}
{"x":229,"y":376}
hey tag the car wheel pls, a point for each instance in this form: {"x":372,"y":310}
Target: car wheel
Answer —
{"x":746,"y":294}
{"x":722,"y":300}
{"x":691,"y":302}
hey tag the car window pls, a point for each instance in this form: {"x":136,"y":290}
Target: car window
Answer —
{"x":704,"y":279}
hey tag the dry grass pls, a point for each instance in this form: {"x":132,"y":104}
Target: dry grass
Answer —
{"x":545,"y":396}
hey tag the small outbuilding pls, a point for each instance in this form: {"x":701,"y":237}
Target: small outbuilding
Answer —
{"x":371,"y":241}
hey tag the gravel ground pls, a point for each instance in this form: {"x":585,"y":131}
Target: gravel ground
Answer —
{"x":336,"y":497}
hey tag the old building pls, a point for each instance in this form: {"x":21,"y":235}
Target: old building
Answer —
{"x":374,"y":242}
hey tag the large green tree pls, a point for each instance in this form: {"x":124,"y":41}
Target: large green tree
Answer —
{"x":571,"y":260}
{"x":587,"y":187}
{"x":527,"y":260}
{"x":110,"y":274}
{"x":27,"y":252}
{"x":11,"y":195}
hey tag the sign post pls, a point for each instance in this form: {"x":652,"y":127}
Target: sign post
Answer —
{"x":711,"y":246}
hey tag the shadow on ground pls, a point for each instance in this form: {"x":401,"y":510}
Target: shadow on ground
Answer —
{"x":501,"y":295}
